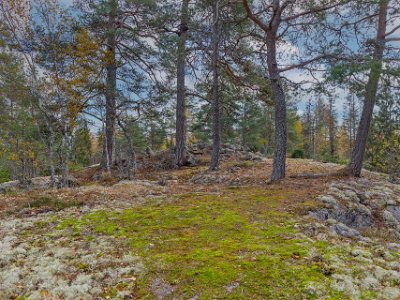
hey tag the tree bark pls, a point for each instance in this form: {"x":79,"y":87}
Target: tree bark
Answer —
{"x":279,"y":164}
{"x":111,"y":83}
{"x":51,"y":160}
{"x":106,"y":160}
{"x":132,"y":161}
{"x":181,"y":122}
{"x":65,"y":160}
{"x":332,"y":130}
{"x":216,"y":110}
{"x":358,"y":152}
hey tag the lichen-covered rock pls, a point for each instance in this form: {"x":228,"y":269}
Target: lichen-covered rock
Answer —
{"x":345,"y":231}
{"x":370,"y":283}
{"x":345,"y":284}
{"x":209,"y":178}
{"x":390,"y":219}
{"x":9,"y":186}
{"x":390,"y":293}
{"x":328,"y":200}
{"x":395,"y":210}
{"x":361,"y":204}
{"x":161,"y":288}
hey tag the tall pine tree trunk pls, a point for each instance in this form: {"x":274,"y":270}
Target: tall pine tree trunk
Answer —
{"x":111,"y":83}
{"x":332,"y":130}
{"x":50,"y":146}
{"x":64,"y":182}
{"x":132,"y":161}
{"x":181,"y":122}
{"x":279,"y":165}
{"x":216,"y":110}
{"x":358,"y":152}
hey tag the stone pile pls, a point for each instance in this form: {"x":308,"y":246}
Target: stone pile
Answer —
{"x":166,"y":159}
{"x":361,"y":204}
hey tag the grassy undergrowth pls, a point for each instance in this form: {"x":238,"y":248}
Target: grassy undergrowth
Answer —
{"x":241,"y":245}
{"x":52,"y":203}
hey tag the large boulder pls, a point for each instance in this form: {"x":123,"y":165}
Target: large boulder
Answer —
{"x":9,"y":186}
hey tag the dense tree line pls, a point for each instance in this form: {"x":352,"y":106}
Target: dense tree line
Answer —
{"x":102,"y":80}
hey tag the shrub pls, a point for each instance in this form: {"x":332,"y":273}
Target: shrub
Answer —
{"x":298,"y":153}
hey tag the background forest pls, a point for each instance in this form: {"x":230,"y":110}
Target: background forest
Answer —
{"x":103,"y":81}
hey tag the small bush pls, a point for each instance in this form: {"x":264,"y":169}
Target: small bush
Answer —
{"x":4,"y":175}
{"x":298,"y":153}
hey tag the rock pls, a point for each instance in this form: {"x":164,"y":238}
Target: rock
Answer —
{"x":395,"y":210}
{"x":331,"y":221}
{"x":231,"y":287}
{"x":21,"y":251}
{"x":370,"y":283}
{"x":37,"y":183}
{"x":161,"y":289}
{"x":365,"y":240}
{"x":378,"y":198}
{"x":9,"y":186}
{"x":394,"y":265}
{"x":345,"y":231}
{"x":328,"y":200}
{"x":344,"y":283}
{"x":360,"y":253}
{"x":390,"y":293}
{"x":393,"y":246}
{"x":382,"y":274}
{"x":357,"y":217}
{"x":390,"y":219}
{"x":321,"y":214}
{"x":44,"y":183}
{"x":137,"y":182}
{"x":41,"y":183}
{"x":208,"y":178}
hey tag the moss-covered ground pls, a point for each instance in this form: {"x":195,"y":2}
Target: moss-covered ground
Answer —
{"x":214,"y":240}
{"x":240,"y":244}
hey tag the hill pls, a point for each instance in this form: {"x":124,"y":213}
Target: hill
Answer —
{"x":190,"y":234}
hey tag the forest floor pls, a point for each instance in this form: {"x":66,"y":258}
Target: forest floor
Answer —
{"x":227,"y":235}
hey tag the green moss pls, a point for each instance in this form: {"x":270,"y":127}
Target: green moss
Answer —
{"x":369,"y":295}
{"x":202,"y":243}
{"x":82,"y":266}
